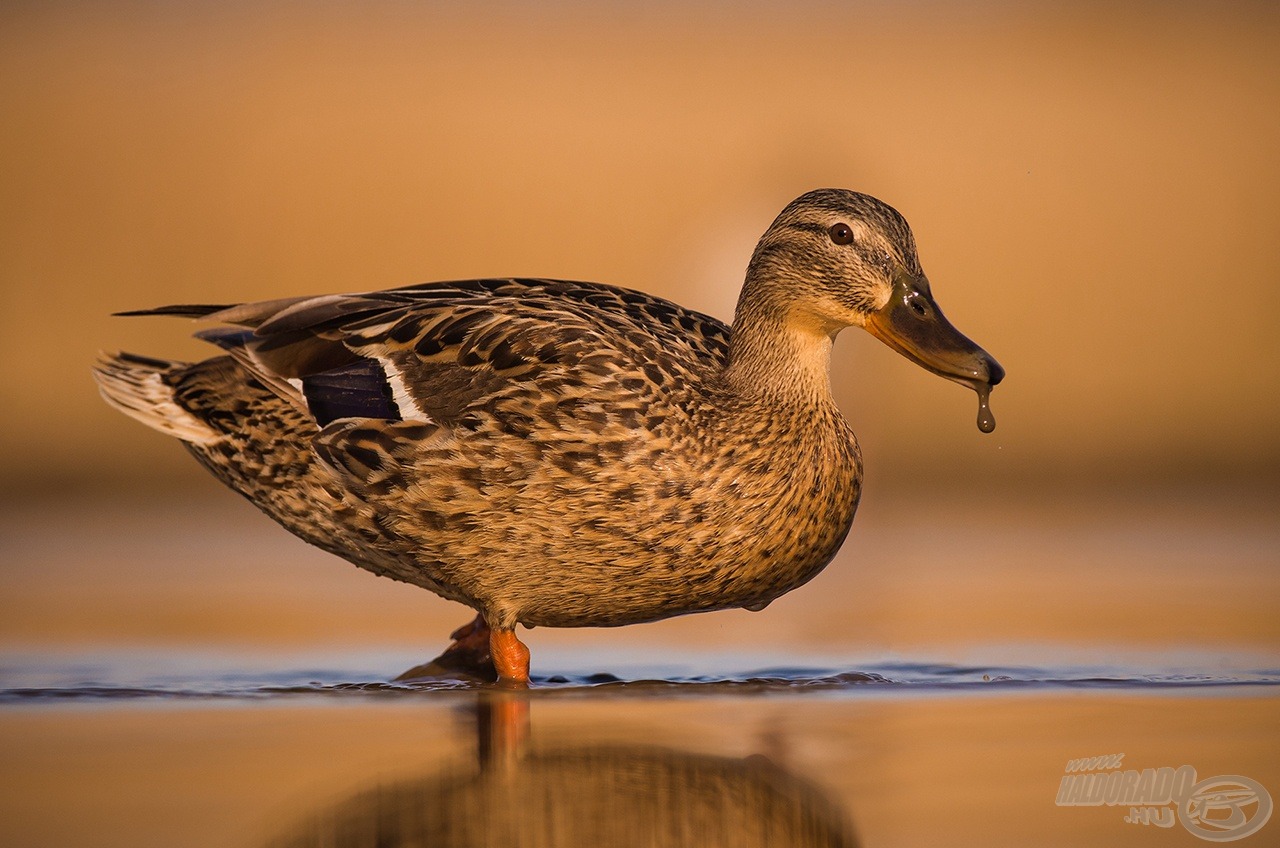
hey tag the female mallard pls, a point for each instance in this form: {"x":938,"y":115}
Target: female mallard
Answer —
{"x":556,"y":453}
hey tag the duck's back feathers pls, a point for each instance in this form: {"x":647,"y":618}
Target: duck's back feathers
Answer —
{"x":433,"y":352}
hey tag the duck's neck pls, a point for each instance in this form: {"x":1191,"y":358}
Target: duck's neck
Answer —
{"x":776,"y":350}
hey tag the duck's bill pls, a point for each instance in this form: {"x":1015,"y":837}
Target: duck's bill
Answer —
{"x":913,"y":325}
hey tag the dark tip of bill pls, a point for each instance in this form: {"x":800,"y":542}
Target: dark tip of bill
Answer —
{"x":996,"y":372}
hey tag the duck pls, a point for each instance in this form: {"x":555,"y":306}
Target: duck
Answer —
{"x":552,"y":453}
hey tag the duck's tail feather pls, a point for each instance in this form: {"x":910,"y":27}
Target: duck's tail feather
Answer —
{"x":244,"y":314}
{"x":184,"y":310}
{"x":145,"y":389}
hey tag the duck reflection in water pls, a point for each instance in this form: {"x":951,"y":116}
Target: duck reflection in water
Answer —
{"x":522,"y":794}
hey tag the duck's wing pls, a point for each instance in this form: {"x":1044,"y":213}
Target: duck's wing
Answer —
{"x":382,"y":373}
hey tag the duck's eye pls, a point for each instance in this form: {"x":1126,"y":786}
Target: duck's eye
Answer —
{"x":841,"y":234}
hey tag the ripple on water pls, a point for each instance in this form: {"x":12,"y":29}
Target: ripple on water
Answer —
{"x":31,"y":680}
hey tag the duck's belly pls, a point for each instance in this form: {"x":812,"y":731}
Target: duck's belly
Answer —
{"x":612,"y":552}
{"x":643,"y":585}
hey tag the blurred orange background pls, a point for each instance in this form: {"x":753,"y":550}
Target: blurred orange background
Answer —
{"x":1095,"y":189}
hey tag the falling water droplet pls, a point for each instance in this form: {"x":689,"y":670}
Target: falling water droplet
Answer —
{"x":986,"y":421}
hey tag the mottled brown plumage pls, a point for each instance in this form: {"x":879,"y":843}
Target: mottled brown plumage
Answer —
{"x":557,"y":453}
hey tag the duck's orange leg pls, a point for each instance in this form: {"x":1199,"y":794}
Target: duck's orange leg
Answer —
{"x":510,"y":657}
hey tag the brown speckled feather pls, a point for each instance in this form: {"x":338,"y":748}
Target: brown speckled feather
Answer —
{"x":542,"y":441}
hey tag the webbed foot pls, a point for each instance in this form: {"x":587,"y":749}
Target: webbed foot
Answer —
{"x":468,"y":656}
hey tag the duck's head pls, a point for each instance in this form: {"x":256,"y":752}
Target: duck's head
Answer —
{"x":834,"y":259}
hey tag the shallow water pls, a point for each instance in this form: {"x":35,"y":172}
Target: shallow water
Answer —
{"x":166,"y":748}
{"x":174,"y":675}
